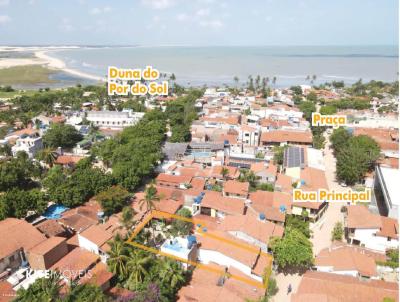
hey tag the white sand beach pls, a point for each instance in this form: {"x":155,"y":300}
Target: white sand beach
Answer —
{"x":42,"y":57}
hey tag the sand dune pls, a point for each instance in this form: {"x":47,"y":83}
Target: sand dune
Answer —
{"x":43,"y":58}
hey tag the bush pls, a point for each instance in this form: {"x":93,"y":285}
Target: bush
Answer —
{"x":337,"y":232}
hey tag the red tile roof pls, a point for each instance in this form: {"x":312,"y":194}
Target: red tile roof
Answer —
{"x":18,"y":234}
{"x":345,"y":258}
{"x":317,"y":286}
{"x":75,"y":262}
{"x":236,"y":187}
{"x":359,"y":217}
{"x":250,"y":225}
{"x":215,"y":200}
{"x":283,"y":136}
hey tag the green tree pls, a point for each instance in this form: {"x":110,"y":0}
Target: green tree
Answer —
{"x":17,"y":203}
{"x":180,"y":227}
{"x":294,"y":250}
{"x":118,"y":258}
{"x":171,"y":273}
{"x":356,"y":158}
{"x":113,"y":199}
{"x":307,"y":107}
{"x":150,"y":198}
{"x":265,"y":187}
{"x":328,"y":110}
{"x":278,"y":154}
{"x":224,"y":172}
{"x":302,"y":225}
{"x":86,"y":293}
{"x":43,"y":289}
{"x":48,"y":156}
{"x":296,"y":90}
{"x":127,"y":217}
{"x":17,"y":172}
{"x":137,"y":266}
{"x":337,"y":232}
{"x":339,"y":138}
{"x":61,"y":135}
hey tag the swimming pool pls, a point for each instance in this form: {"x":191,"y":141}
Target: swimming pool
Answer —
{"x":175,"y":246}
{"x":201,"y":154}
{"x":54,"y":211}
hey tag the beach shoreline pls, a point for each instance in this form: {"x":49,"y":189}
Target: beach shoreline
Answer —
{"x":41,"y":57}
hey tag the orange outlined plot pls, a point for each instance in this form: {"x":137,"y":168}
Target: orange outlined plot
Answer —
{"x":244,"y":246}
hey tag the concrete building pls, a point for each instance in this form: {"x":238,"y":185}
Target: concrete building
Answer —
{"x":30,"y":144}
{"x":386,"y":191}
{"x":114,"y":119}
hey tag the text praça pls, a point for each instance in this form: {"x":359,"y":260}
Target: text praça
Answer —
{"x":129,"y":81}
{"x":328,"y":120}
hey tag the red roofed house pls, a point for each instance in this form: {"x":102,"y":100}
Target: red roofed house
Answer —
{"x":326,"y":287}
{"x":215,"y":205}
{"x":236,"y":189}
{"x":372,"y":231}
{"x":284,"y":137}
{"x":48,"y":252}
{"x":17,"y":237}
{"x":346,"y":260}
{"x":175,"y":181}
{"x":266,"y":173}
{"x":311,"y":179}
{"x":252,"y":229}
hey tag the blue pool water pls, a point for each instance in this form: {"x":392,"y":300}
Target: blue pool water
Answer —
{"x":175,"y":246}
{"x":201,"y":154}
{"x":54,"y":211}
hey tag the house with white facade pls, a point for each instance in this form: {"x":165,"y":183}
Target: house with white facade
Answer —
{"x":346,"y":260}
{"x":30,"y":144}
{"x":114,"y":119}
{"x":369,"y":230}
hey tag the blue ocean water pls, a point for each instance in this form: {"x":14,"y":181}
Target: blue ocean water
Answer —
{"x":219,"y":65}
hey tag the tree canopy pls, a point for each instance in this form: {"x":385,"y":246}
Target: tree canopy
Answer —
{"x":61,"y":135}
{"x":294,"y":250}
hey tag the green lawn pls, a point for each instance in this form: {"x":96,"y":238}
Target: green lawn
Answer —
{"x":30,"y":74}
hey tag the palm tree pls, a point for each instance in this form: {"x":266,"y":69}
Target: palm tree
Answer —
{"x":52,"y":286}
{"x":150,"y":198}
{"x":314,"y":77}
{"x":48,"y":156}
{"x":37,"y":123}
{"x":236,"y":80}
{"x":307,"y":78}
{"x":224,"y":172}
{"x":127,"y":217}
{"x":172,"y":78}
{"x":118,"y":257}
{"x":171,"y":273}
{"x":274,"y":80}
{"x":137,"y":266}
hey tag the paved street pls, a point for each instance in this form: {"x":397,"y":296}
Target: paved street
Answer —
{"x":323,"y":228}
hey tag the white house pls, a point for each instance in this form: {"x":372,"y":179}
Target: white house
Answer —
{"x":30,"y":144}
{"x":371,"y":231}
{"x":114,"y":119}
{"x":346,"y":260}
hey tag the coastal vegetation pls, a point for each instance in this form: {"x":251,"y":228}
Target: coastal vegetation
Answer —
{"x":52,"y":289}
{"x":145,"y":273}
{"x":29,"y":74}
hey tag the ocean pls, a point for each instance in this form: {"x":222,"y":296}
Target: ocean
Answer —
{"x":197,"y":66}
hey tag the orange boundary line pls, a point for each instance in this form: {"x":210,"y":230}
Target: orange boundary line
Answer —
{"x":158,"y":214}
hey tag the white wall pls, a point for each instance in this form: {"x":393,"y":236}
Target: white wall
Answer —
{"x":88,"y":245}
{"x":367,"y":237}
{"x":207,"y":256}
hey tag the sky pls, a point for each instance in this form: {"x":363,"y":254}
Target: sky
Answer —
{"x":199,"y":22}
